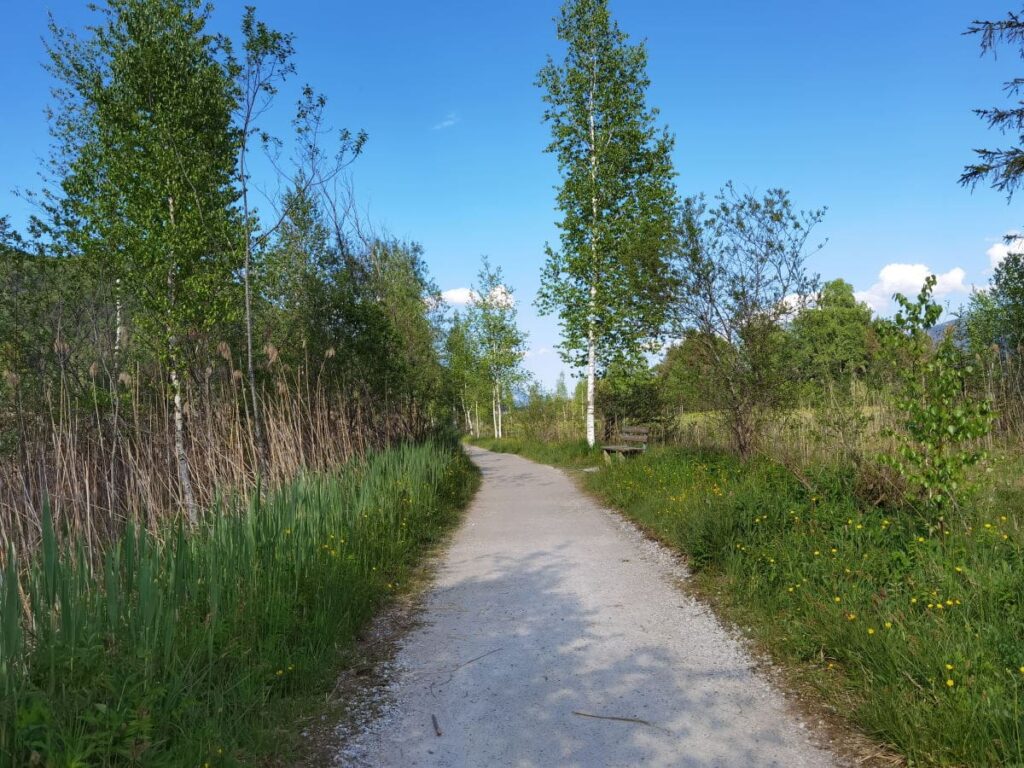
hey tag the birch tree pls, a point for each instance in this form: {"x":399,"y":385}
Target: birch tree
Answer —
{"x":462,"y":361}
{"x":610,"y":280}
{"x":144,"y":128}
{"x":499,"y":341}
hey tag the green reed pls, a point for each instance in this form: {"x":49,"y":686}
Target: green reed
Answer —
{"x":175,"y":646}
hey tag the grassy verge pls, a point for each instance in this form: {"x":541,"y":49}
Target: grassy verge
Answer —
{"x":914,"y":634}
{"x":186,"y":649}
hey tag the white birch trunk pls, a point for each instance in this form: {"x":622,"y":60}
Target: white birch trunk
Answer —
{"x":184,"y":478}
{"x":591,"y":335}
{"x":498,"y":389}
{"x":591,"y":381}
{"x":494,"y":412}
{"x":181,"y":456}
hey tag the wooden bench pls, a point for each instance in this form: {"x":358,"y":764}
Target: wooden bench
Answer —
{"x":629,"y":442}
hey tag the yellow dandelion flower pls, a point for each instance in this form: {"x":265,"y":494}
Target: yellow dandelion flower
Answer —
{"x":871,"y":630}
{"x":949,"y":666}
{"x":950,"y":682}
{"x":888,"y":625}
{"x":838,"y":599}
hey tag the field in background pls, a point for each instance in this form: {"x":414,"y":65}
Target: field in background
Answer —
{"x":912,"y":632}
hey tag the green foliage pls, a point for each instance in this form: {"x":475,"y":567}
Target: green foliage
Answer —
{"x":464,"y":372}
{"x":683,"y":372}
{"x":832,"y":340}
{"x":499,"y":342}
{"x":628,"y":394}
{"x":547,"y":416}
{"x":492,"y":316}
{"x":609,"y":282}
{"x":1007,"y":296}
{"x":176,"y":649}
{"x":146,"y":187}
{"x":943,"y":420}
{"x":741,"y":274}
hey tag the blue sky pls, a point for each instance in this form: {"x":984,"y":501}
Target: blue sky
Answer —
{"x":862,"y":107}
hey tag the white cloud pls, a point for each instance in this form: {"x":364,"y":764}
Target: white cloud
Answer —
{"x":458,"y":297}
{"x":461,"y":297}
{"x":1001,"y":250}
{"x":502,"y":297}
{"x":449,"y":120}
{"x":539,"y":352}
{"x":908,"y":279}
{"x":792,"y":303}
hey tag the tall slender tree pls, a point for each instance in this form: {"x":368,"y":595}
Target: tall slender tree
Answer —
{"x":498,"y":338}
{"x":462,"y":363}
{"x":266,"y":63}
{"x":148,"y":158}
{"x":610,"y":280}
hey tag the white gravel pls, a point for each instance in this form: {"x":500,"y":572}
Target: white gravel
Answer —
{"x":546,"y":606}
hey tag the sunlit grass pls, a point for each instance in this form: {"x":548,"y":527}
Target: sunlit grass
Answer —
{"x":174,"y":649}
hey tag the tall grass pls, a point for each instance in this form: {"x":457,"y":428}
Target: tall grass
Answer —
{"x":98,"y":450}
{"x":175,"y":647}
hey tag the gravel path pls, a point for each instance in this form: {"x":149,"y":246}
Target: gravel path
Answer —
{"x":554,"y":635}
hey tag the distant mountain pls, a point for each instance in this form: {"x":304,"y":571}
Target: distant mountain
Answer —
{"x":937,"y":332}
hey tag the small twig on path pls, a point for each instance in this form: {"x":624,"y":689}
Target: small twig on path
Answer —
{"x":453,"y":670}
{"x":437,"y":728}
{"x":620,"y":719}
{"x":475,"y":658}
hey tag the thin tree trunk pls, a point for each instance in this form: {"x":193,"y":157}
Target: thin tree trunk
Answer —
{"x":498,"y":388}
{"x":591,"y":380}
{"x":181,"y":456}
{"x":591,"y":335}
{"x":262,"y":449}
{"x":494,"y":412}
{"x":188,"y":497}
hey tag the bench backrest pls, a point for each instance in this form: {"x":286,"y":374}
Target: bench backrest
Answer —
{"x":634,"y":434}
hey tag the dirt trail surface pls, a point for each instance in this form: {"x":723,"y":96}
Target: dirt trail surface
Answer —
{"x":554,"y":635}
